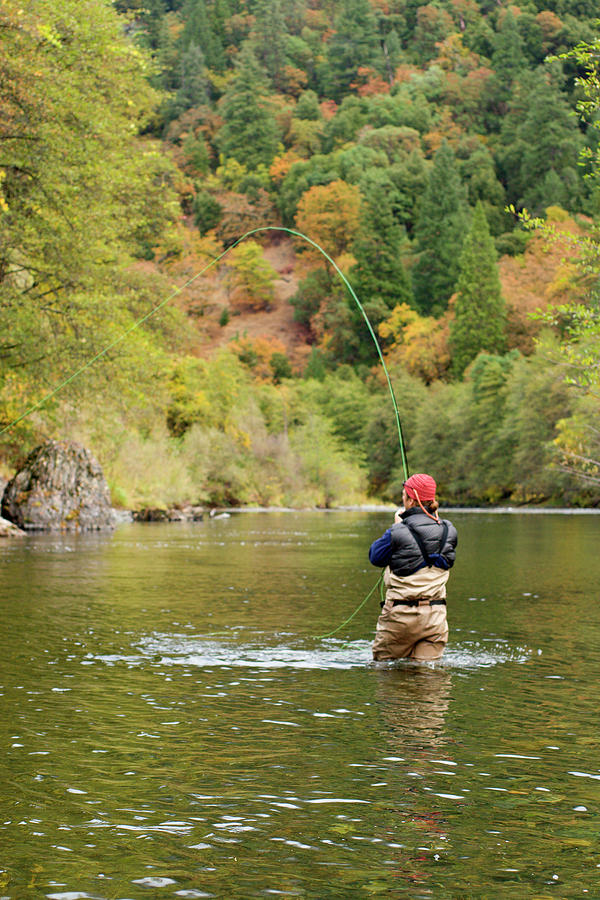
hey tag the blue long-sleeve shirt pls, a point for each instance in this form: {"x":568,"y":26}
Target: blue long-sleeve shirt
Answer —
{"x":380,"y":551}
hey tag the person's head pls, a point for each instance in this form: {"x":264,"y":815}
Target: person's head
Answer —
{"x":419,"y":490}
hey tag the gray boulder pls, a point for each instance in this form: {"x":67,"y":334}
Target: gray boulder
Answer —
{"x":60,"y":488}
{"x":150,"y":514}
{"x":7,"y":529}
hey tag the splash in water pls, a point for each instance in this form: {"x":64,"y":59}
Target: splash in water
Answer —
{"x":202,"y":651}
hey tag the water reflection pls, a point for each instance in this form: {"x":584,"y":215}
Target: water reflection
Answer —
{"x":413,"y":702}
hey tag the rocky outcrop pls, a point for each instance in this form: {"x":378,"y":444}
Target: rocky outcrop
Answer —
{"x":185,"y":514}
{"x":8,"y":529}
{"x":60,"y":488}
{"x":150,"y":514}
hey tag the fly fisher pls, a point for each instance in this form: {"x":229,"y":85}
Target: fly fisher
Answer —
{"x":417,"y":551}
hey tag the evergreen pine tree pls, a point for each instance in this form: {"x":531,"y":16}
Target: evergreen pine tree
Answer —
{"x":355,"y":43}
{"x":249,"y":133}
{"x":551,"y":143}
{"x":439,"y":233}
{"x":479,"y":312}
{"x":392,"y":53}
{"x":508,"y":60}
{"x":315,"y":366}
{"x":219,"y":15}
{"x":193,"y":87}
{"x":151,"y":14}
{"x":379,"y":276}
{"x":198,"y":30}
{"x":270,"y":34}
{"x":307,"y":107}
{"x":540,"y":145}
{"x":379,"y":272}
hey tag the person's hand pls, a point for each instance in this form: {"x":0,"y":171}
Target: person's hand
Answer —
{"x":398,"y":514}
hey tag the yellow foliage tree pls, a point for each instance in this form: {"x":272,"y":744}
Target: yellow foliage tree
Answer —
{"x":256,"y":353}
{"x":418,"y":343}
{"x":329,"y":214}
{"x":251,"y":278}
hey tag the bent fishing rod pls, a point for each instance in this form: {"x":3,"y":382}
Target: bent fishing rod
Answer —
{"x":179,"y":290}
{"x":176,"y":292}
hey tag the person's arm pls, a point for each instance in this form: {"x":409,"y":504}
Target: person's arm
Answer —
{"x":380,"y":551}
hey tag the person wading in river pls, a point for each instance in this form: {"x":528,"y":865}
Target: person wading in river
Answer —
{"x":417,"y":551}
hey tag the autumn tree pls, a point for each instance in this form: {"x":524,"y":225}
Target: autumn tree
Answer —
{"x":418,"y":343}
{"x":433,"y":25}
{"x":330,"y":216}
{"x":479,"y":312}
{"x":265,"y":357}
{"x":319,"y":170}
{"x":251,"y":278}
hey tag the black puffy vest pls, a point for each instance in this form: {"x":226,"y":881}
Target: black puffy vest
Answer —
{"x":406,"y":554}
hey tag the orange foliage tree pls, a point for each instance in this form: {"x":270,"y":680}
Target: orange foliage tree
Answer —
{"x":282,"y":164}
{"x":551,"y":27}
{"x":264,"y":356}
{"x":329,"y":214}
{"x":369,"y":82}
{"x":418,"y":343}
{"x":545,"y":275}
{"x":240,"y":215}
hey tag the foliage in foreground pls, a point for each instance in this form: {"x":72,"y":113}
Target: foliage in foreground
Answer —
{"x":81,"y":196}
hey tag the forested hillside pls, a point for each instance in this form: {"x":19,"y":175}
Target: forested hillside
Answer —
{"x":444,"y":155}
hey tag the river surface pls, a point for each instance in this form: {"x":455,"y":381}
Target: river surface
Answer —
{"x":172,"y":725}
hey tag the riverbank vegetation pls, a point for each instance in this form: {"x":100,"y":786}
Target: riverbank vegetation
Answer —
{"x":445,"y":155}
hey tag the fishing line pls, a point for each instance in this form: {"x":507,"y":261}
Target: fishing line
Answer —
{"x":357,"y":610}
{"x":178,"y":291}
{"x":190,"y":281}
{"x":117,"y":340}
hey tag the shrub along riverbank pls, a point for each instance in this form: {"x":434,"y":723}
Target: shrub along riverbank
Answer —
{"x":490,"y":438}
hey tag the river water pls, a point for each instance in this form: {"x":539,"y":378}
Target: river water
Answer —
{"x":172,"y":725}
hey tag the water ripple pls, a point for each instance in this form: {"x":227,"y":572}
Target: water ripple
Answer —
{"x":185,"y":650}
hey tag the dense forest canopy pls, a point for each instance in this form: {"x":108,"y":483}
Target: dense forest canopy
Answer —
{"x":445,"y":155}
